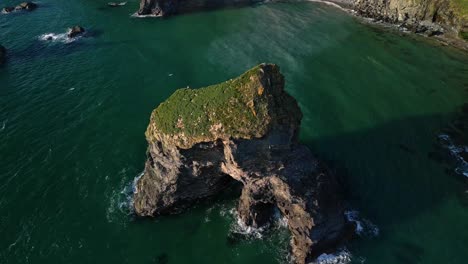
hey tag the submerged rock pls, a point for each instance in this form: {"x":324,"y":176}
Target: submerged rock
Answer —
{"x":245,"y":130}
{"x":2,"y":54}
{"x":75,"y":31}
{"x":26,"y":6}
{"x":169,"y":7}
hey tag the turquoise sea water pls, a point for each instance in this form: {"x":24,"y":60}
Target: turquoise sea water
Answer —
{"x":73,"y":116}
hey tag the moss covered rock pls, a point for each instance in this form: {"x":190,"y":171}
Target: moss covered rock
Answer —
{"x":241,"y":108}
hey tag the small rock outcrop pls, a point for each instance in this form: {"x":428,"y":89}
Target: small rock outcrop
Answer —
{"x":75,"y":31}
{"x":7,"y":10}
{"x":28,"y":6}
{"x":245,"y":130}
{"x":2,"y":54}
{"x":429,"y":17}
{"x":170,"y":7}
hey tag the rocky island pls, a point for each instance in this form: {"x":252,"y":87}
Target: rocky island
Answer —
{"x":244,"y":130}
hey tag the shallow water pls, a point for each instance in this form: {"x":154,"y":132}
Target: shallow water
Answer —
{"x":73,"y":118}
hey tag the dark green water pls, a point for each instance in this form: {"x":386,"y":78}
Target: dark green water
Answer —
{"x":73,"y":116}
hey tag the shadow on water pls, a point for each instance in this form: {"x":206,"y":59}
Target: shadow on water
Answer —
{"x":389,"y":166}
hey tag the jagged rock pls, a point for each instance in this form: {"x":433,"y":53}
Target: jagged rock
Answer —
{"x":26,"y":6}
{"x":75,"y":31}
{"x":245,"y":130}
{"x":430,"y":17}
{"x":2,"y":54}
{"x":169,"y":7}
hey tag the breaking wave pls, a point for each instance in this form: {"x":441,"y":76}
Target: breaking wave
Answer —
{"x":121,"y":202}
{"x":63,"y":37}
{"x":364,"y":227}
{"x":328,"y":3}
{"x":456,"y":152}
{"x":341,"y":257}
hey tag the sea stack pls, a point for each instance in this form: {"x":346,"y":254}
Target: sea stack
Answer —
{"x":2,"y":54}
{"x":245,"y":130}
{"x":429,"y":17}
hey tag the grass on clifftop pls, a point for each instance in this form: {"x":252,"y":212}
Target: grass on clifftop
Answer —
{"x":461,"y":6}
{"x":235,"y":108}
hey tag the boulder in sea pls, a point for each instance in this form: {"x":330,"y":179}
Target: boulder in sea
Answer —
{"x":75,"y":31}
{"x":26,"y":6}
{"x":7,"y":10}
{"x":244,"y":130}
{"x":2,"y":54}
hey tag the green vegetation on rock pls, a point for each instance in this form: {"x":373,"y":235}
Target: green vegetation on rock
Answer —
{"x":461,"y":7}
{"x":238,"y":108}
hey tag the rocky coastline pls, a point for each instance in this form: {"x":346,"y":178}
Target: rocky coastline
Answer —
{"x":244,"y":130}
{"x":444,"y":20}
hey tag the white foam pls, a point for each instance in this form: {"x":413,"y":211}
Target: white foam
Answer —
{"x":136,"y":15}
{"x":364,"y":227}
{"x":240,"y":227}
{"x":121,"y":202}
{"x":341,"y":257}
{"x":455,"y":151}
{"x":63,"y":38}
{"x":328,"y":3}
{"x":135,"y":181}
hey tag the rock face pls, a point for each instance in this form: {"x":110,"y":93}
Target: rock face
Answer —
{"x":75,"y":31}
{"x":2,"y":54}
{"x":431,"y":17}
{"x":169,"y":7}
{"x":246,"y":130}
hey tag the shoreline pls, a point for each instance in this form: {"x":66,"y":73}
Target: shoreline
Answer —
{"x":445,"y":39}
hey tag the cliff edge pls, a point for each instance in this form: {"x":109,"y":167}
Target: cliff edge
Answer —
{"x":245,"y":130}
{"x":430,"y":17}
